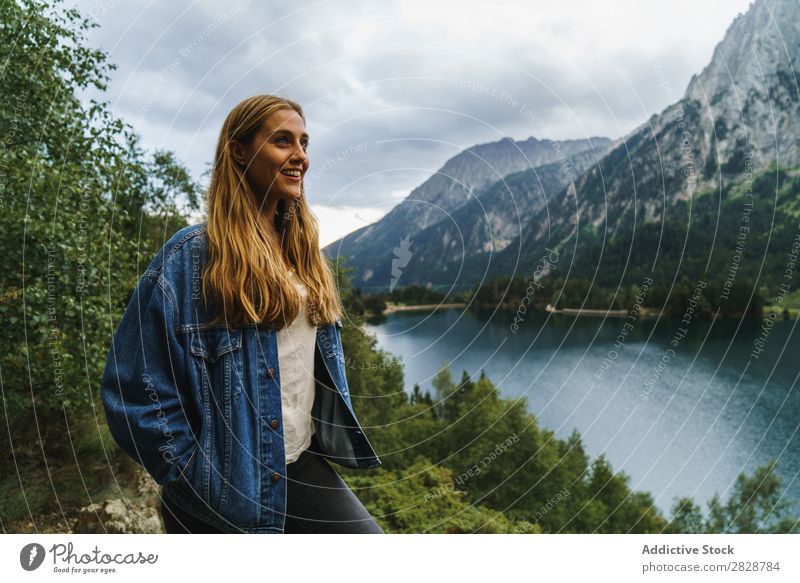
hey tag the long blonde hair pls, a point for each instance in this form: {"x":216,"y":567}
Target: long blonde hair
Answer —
{"x":244,"y":277}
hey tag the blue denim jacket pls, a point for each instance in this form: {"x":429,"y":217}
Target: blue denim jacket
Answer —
{"x":199,"y":406}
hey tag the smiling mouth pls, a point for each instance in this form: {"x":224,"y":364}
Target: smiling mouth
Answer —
{"x":292,"y":174}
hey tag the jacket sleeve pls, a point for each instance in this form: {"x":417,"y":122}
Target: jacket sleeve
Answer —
{"x":147,"y":403}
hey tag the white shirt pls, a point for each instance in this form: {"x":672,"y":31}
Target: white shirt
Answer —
{"x":296,"y":345}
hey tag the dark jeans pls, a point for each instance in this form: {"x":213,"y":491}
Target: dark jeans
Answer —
{"x":317,"y":501}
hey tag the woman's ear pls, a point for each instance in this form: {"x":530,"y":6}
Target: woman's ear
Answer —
{"x":237,"y":152}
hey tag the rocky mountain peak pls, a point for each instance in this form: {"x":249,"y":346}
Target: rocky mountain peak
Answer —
{"x":748,"y":93}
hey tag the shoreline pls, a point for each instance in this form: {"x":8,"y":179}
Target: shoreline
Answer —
{"x":590,"y":312}
{"x":644,"y":313}
{"x":396,"y":308}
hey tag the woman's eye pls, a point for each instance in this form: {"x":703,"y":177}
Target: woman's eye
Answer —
{"x":286,"y":140}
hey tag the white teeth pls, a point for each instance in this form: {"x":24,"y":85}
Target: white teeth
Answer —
{"x":291,"y":172}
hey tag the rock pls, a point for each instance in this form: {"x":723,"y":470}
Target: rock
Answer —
{"x":136,"y":511}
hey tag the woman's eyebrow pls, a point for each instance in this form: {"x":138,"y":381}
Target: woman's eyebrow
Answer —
{"x":287,"y":132}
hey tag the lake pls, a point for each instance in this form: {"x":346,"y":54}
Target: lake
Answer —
{"x":680,"y":409}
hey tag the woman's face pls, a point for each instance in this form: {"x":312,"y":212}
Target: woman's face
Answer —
{"x":275,"y":160}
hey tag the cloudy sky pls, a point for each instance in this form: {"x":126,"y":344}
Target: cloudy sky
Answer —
{"x":391,"y":90}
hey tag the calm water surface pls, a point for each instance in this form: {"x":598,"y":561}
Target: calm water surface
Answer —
{"x":680,"y":414}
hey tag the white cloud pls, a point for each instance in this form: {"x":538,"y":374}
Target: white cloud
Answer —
{"x":336,"y":222}
{"x":381,"y":74}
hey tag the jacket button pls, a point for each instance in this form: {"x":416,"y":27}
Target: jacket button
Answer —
{"x":276,"y":476}
{"x":271,"y":372}
{"x":274,"y":424}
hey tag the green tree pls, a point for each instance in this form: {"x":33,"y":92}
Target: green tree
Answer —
{"x":80,"y":202}
{"x":82,"y":209}
{"x":756,"y":505}
{"x":422,"y":498}
{"x":374,"y":303}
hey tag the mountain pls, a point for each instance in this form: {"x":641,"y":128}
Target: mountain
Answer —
{"x":748,"y":92}
{"x":469,"y":238}
{"x":636,"y":211}
{"x":738,"y":117}
{"x":372,"y":249}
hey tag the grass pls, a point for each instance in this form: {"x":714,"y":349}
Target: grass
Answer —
{"x":52,"y":476}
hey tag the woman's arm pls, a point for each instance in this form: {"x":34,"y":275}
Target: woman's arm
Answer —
{"x":148,"y":405}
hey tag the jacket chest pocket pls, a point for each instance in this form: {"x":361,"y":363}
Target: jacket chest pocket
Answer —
{"x":218,"y":355}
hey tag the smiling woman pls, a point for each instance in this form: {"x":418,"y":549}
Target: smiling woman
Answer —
{"x":275,"y":158}
{"x":249,"y":375}
{"x":259,"y":224}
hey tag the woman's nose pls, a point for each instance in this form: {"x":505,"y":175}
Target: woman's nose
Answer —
{"x":300,"y":155}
